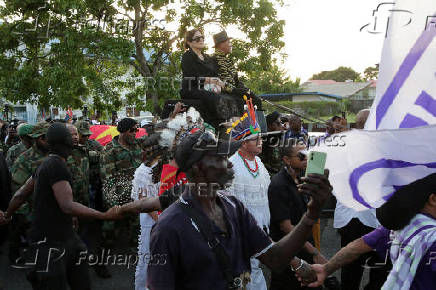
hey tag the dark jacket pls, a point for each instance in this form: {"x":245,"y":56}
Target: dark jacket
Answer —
{"x":195,"y":70}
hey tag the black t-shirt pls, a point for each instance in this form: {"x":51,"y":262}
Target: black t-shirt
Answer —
{"x":285,"y":203}
{"x":49,"y":221}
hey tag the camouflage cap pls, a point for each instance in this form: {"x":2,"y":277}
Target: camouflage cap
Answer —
{"x":39,"y":129}
{"x":24,"y":129}
{"x":83,"y":128}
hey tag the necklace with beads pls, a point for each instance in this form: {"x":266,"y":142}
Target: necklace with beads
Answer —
{"x":253,"y":172}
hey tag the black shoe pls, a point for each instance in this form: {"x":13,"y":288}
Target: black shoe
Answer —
{"x":102,"y":271}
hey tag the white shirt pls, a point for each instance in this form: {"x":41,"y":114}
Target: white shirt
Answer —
{"x":343,"y":216}
{"x":251,"y":191}
{"x":143,"y":186}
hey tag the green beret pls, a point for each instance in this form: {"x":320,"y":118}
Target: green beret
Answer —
{"x":25,"y":129}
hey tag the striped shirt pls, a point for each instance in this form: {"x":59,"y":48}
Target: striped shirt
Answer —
{"x":226,"y":71}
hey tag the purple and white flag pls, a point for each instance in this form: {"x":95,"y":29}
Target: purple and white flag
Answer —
{"x":372,"y":165}
{"x":400,"y":145}
{"x":406,"y":87}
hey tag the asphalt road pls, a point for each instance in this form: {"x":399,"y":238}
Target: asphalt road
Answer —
{"x":123,"y":278}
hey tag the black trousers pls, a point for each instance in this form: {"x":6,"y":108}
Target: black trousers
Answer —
{"x":57,"y":265}
{"x":351,"y":275}
{"x":214,"y":108}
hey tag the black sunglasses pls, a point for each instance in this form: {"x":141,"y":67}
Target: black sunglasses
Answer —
{"x":197,"y":39}
{"x":133,"y":130}
{"x":300,"y":156}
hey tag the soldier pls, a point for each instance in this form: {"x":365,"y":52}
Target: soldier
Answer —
{"x":95,"y":151}
{"x":121,"y":158}
{"x":86,"y":157}
{"x":78,"y":164}
{"x":23,"y":168}
{"x":27,"y":163}
{"x":26,"y":142}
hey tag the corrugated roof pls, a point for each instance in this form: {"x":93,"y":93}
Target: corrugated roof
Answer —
{"x":344,"y":89}
{"x":283,"y":96}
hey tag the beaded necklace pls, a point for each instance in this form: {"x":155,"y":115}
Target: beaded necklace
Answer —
{"x":253,"y":172}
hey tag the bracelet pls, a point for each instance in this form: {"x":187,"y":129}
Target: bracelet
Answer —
{"x":299,"y":266}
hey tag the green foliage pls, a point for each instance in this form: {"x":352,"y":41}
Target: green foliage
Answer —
{"x":66,"y":53}
{"x":341,"y":74}
{"x":371,"y":73}
{"x":272,"y":81}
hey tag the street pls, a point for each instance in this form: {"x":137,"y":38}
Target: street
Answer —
{"x":123,"y":278}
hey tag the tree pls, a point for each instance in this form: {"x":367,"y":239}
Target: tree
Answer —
{"x":371,"y":73}
{"x":48,"y":57}
{"x":341,"y":74}
{"x":91,"y":44}
{"x":272,"y":81}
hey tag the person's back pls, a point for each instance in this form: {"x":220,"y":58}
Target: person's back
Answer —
{"x":49,"y":221}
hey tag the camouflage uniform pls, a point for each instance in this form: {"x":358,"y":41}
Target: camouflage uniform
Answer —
{"x":14,"y":152}
{"x":23,"y":130}
{"x":119,"y":166}
{"x":78,"y":163}
{"x":87,"y":159}
{"x":24,"y":167}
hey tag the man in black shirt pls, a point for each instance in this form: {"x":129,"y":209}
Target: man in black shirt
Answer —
{"x":55,"y":247}
{"x":287,"y":207}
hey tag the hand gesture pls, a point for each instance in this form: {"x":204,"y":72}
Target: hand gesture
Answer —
{"x":178,"y":108}
{"x":318,"y":187}
{"x":306,"y":274}
{"x":320,"y":273}
{"x":113,"y":213}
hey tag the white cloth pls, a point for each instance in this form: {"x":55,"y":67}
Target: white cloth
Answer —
{"x":143,"y":187}
{"x":343,"y":215}
{"x":257,"y":280}
{"x":252,"y":192}
{"x":374,"y":164}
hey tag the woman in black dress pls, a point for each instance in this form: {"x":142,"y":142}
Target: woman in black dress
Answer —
{"x":201,"y":82}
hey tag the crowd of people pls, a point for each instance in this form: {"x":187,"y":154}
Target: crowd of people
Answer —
{"x":202,"y":212}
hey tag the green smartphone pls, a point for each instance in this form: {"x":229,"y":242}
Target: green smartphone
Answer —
{"x":316,"y":162}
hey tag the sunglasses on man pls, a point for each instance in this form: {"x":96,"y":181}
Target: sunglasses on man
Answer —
{"x":198,"y":38}
{"x":301,"y":156}
{"x":133,"y":130}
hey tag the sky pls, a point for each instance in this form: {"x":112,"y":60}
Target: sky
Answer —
{"x":325,"y":34}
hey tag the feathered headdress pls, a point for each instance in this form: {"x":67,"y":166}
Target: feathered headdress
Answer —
{"x":247,"y":124}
